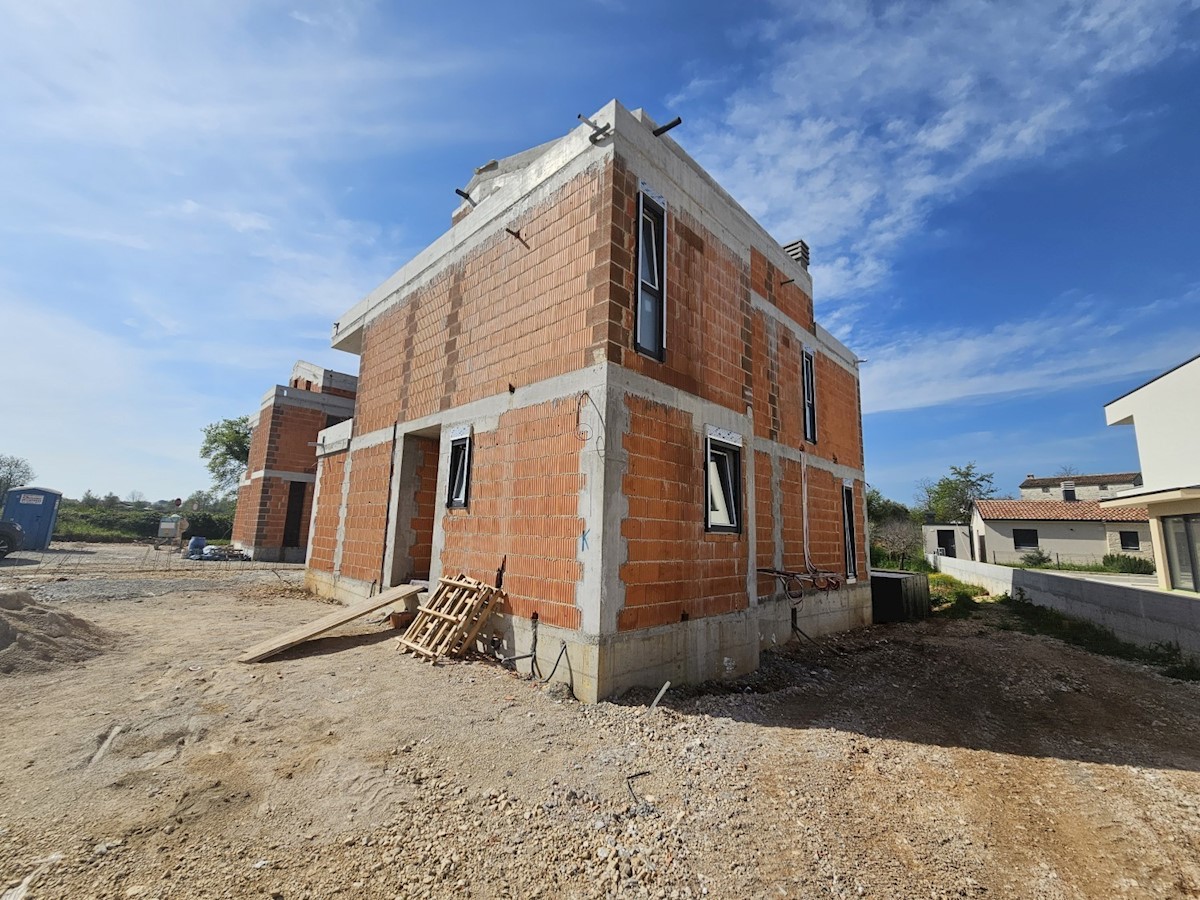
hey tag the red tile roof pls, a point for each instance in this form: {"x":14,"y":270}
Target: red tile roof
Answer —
{"x":1058,"y":511}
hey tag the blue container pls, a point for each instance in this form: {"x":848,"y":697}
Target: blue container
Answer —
{"x":36,"y":510}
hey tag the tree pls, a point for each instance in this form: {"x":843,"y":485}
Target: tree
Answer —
{"x":90,"y":500}
{"x":227,"y":448}
{"x":950,"y":498}
{"x":899,"y":538}
{"x":209,"y":502}
{"x":1067,"y":472}
{"x":14,"y":472}
{"x":880,"y":509}
{"x":110,"y":501}
{"x":137,"y":499}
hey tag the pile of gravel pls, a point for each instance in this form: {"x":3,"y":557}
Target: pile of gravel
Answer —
{"x":34,"y":638}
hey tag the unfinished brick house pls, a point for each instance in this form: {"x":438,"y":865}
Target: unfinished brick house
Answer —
{"x":274,"y":504}
{"x":605,"y":384}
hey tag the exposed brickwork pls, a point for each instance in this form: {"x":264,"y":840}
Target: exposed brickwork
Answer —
{"x":767,"y":281}
{"x":524,"y":507}
{"x":280,"y":442}
{"x":511,"y":312}
{"x":425,"y":495}
{"x":325,"y":522}
{"x":708,"y":304}
{"x":366,"y":516}
{"x":839,"y":422}
{"x":674,"y":567}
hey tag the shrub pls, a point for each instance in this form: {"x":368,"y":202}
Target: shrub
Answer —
{"x":957,"y":597}
{"x":1130,"y":565}
{"x":1036,"y":558}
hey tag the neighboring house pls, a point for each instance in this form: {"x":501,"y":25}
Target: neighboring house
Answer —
{"x":1163,"y":413}
{"x":603,"y":389}
{"x":1079,"y":487}
{"x":1077,"y":531}
{"x":947,"y":539}
{"x":274,"y":504}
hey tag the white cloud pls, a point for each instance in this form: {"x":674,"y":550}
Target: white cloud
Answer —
{"x":1087,"y":343}
{"x":865,"y":116}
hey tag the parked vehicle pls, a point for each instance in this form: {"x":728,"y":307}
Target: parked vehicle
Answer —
{"x":12,"y":538}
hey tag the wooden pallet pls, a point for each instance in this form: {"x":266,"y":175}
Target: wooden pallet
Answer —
{"x":449,"y":622}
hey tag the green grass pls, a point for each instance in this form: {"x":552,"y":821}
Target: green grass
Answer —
{"x":952,"y":598}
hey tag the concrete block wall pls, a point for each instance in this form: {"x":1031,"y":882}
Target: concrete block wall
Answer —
{"x":1138,"y":615}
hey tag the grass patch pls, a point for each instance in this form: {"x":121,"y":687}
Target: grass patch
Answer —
{"x":952,"y":598}
{"x":1033,"y":619}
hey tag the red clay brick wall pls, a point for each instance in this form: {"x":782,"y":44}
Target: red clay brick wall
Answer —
{"x":325,"y":522}
{"x":426,"y":497}
{"x":367,"y":512}
{"x":336,"y":392}
{"x":245,"y":516}
{"x":708,"y":304}
{"x":766,"y":281}
{"x":524,"y":505}
{"x":511,"y":312}
{"x":674,"y":567}
{"x":292,"y":429}
{"x":839,"y":421}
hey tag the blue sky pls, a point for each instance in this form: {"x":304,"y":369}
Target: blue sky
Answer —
{"x":1000,"y":199}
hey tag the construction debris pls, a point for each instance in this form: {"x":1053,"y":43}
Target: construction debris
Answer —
{"x":328,"y":623}
{"x":448,"y":623}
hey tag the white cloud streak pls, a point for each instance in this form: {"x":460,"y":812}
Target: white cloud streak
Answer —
{"x":1089,"y":343}
{"x":866,"y":116}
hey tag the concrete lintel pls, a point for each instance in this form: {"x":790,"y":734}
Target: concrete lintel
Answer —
{"x":485,"y":413}
{"x":835,"y":349}
{"x":284,"y":476}
{"x":812,"y":461}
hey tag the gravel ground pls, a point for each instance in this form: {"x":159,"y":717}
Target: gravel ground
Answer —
{"x":949,"y":758}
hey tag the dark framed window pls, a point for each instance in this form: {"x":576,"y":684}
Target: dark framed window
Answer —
{"x":650,"y":331}
{"x":1130,"y":540}
{"x":1181,"y":538}
{"x":459,"y":487}
{"x":1068,"y":494}
{"x":848,"y":531}
{"x":810,"y":397}
{"x":1025,"y":539}
{"x":723,"y":488}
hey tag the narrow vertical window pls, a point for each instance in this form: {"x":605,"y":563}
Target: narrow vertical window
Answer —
{"x":650,"y":337}
{"x":460,"y":472}
{"x":849,"y":535}
{"x":810,"y":397}
{"x":723,"y":488}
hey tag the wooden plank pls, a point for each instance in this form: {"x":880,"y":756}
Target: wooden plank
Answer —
{"x":328,"y":623}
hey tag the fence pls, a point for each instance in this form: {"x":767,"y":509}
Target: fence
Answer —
{"x":1138,"y":615}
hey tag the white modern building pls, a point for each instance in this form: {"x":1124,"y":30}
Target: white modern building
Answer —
{"x":1163,"y":412}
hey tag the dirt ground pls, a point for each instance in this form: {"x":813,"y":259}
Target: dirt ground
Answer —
{"x":947,"y":758}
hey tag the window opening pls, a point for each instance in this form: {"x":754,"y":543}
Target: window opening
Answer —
{"x":1130,"y":540}
{"x":1025,"y":539}
{"x":848,"y":531}
{"x":650,"y":335}
{"x":460,"y":466}
{"x":810,"y":397}
{"x":723,"y":487}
